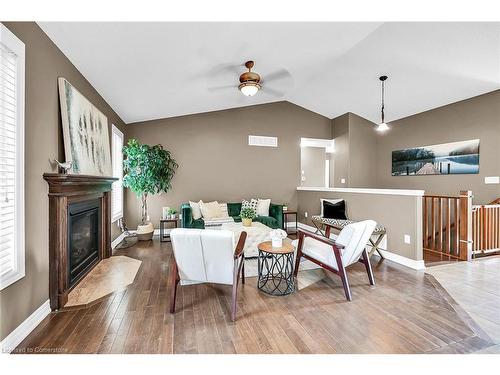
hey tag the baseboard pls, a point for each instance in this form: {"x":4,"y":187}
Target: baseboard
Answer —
{"x":22,"y":331}
{"x":411,"y":263}
{"x":117,"y":240}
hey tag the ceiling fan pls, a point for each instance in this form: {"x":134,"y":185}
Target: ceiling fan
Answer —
{"x":251,"y":82}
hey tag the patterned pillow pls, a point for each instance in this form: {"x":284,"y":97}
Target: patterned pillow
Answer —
{"x":252,"y":204}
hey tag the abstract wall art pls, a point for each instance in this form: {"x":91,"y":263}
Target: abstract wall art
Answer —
{"x":85,"y":132}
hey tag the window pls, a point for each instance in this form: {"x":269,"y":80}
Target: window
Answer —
{"x":11,"y":158}
{"x":117,"y":157}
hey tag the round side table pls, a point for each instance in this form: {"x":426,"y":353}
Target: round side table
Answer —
{"x":275,"y":269}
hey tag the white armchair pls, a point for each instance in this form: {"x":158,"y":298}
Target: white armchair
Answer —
{"x":335,"y":256}
{"x":206,"y":256}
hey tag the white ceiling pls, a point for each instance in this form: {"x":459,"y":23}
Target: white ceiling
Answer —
{"x":155,"y":70}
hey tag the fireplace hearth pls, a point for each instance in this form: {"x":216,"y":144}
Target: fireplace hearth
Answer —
{"x":79,"y":230}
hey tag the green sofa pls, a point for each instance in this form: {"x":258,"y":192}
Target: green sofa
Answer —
{"x":274,"y":220}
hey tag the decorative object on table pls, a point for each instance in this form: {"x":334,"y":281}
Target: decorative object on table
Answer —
{"x":447,"y":158}
{"x":63,"y":168}
{"x":172,"y":214}
{"x":164,"y":236}
{"x":285,"y":221}
{"x":247,"y":215}
{"x":85,"y":133}
{"x":160,"y":168}
{"x":164,"y":212}
{"x":277,"y":237}
{"x":285,"y":206}
{"x":275,"y":265}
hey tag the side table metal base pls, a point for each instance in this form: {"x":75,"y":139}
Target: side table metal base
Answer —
{"x":275,"y":273}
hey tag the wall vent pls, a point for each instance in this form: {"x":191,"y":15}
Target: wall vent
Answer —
{"x":262,"y":141}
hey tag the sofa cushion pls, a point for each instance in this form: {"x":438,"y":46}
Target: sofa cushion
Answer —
{"x":269,"y":221}
{"x":249,"y":204}
{"x":234,"y":209}
{"x":210,"y":210}
{"x":198,"y":224}
{"x":263,"y":207}
{"x":195,"y":210}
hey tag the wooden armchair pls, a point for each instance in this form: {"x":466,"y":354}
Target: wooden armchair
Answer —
{"x":206,"y":256}
{"x":336,"y":256}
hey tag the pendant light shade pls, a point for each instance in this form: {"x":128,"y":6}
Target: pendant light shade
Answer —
{"x":382,"y":127}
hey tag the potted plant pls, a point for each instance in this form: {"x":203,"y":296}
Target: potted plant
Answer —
{"x":172,"y":212}
{"x":148,"y":170}
{"x":247,"y":215}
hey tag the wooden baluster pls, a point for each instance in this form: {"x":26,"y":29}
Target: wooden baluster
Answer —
{"x":465,"y":243}
{"x":448,"y":226}
{"x":440,"y":225}
{"x":433,"y":227}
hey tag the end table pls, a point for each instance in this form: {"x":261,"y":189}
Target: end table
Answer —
{"x":275,"y":268}
{"x":165,"y":237}
{"x":285,"y":221}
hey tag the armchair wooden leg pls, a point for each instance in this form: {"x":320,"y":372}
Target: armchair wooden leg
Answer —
{"x":243,"y":271}
{"x":234,"y":297}
{"x":343,"y":274}
{"x":174,"y":277}
{"x":298,"y":255}
{"x":366,"y":261}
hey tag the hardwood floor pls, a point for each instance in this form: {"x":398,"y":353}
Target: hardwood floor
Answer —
{"x":405,"y":312}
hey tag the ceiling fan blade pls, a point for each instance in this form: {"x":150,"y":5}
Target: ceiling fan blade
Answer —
{"x":273,"y":92}
{"x":219,"y":88}
{"x":277,"y":75}
{"x":226,"y":68}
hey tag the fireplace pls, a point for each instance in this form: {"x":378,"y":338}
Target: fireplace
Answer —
{"x":79,"y":230}
{"x":83,"y":238}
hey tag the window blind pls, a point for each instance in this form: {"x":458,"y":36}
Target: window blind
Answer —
{"x":117,"y":159}
{"x":8,"y":167}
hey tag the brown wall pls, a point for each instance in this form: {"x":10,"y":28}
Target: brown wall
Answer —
{"x":478,"y":117}
{"x":312,"y":163}
{"x":44,"y":64}
{"x":362,"y":153}
{"x":340,"y":132}
{"x":379,"y":207}
{"x":215,"y":161}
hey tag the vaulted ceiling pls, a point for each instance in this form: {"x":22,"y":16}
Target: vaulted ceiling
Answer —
{"x":156,"y":70}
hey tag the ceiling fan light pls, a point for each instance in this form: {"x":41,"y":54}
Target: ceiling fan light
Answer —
{"x":382,"y":127}
{"x":249,"y":89}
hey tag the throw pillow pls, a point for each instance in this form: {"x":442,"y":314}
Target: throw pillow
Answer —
{"x":334,"y":210}
{"x":263,"y":207}
{"x":224,"y":213}
{"x":335,"y":200}
{"x":195,"y":210}
{"x":210,"y":210}
{"x":249,"y":204}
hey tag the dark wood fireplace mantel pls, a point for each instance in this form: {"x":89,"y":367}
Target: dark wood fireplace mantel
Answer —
{"x":64,"y":190}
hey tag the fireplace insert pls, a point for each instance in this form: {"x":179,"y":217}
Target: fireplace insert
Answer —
{"x":83,"y":238}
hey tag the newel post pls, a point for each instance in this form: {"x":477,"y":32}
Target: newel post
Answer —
{"x":465,"y":225}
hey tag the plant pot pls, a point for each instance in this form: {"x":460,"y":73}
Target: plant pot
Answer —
{"x":145,"y":232}
{"x":247,"y":222}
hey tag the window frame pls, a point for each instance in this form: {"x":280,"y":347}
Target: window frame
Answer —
{"x":119,"y":133}
{"x":13,"y":43}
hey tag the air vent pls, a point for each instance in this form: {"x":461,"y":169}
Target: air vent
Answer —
{"x":257,"y":140}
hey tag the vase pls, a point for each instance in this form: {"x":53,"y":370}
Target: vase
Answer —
{"x":247,"y":222}
{"x":277,"y":242}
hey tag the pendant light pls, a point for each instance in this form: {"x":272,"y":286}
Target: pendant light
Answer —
{"x":382,"y":127}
